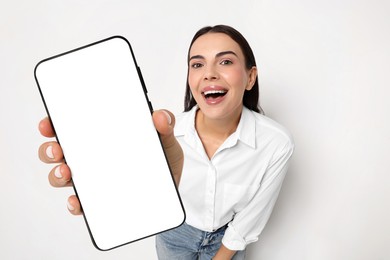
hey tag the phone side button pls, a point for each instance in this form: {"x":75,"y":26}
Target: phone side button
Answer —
{"x":150,"y":106}
{"x":142,"y":79}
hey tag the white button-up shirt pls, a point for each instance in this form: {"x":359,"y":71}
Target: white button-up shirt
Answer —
{"x":239,"y":185}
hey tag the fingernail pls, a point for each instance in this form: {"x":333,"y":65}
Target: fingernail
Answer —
{"x":168,"y":117}
{"x":70,"y":207}
{"x":49,"y":152}
{"x":57,"y":172}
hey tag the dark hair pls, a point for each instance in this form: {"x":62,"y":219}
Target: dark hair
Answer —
{"x":251,"y":97}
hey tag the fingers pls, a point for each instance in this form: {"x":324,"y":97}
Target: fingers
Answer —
{"x":164,"y":122}
{"x":50,"y":152}
{"x":45,"y":128}
{"x":74,"y":206}
{"x":60,"y":176}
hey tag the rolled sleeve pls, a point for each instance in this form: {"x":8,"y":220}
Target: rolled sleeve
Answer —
{"x":247,"y":224}
{"x":234,"y":241}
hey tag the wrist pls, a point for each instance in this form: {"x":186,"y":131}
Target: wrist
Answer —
{"x":224,"y":253}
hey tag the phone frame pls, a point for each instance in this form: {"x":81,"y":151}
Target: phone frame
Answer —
{"x":149,"y":104}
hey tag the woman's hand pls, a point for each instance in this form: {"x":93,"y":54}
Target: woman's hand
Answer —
{"x":224,"y":253}
{"x":60,"y":175}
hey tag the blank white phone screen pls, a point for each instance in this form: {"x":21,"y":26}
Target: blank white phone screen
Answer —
{"x":100,"y":112}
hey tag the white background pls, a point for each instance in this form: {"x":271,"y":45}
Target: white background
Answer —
{"x":324,"y":68}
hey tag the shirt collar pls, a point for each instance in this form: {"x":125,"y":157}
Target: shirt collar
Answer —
{"x":245,"y":132}
{"x":246,"y":129}
{"x":185,"y":126}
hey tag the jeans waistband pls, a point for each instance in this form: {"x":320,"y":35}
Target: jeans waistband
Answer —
{"x":223,"y":228}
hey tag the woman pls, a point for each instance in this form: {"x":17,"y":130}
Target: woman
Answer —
{"x":235,"y":158}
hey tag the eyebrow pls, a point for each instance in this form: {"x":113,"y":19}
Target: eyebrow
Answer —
{"x":222,"y":53}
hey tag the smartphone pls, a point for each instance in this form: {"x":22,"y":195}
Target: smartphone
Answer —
{"x":97,"y":102}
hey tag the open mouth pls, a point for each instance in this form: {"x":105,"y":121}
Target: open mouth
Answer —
{"x":214,"y":94}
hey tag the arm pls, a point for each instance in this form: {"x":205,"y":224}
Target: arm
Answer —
{"x":251,"y":220}
{"x":224,"y":253}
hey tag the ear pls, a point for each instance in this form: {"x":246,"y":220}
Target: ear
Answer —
{"x":252,"y":76}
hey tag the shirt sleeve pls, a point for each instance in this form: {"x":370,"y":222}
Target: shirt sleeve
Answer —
{"x":251,"y":220}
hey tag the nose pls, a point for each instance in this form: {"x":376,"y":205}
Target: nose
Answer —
{"x":211,"y":73}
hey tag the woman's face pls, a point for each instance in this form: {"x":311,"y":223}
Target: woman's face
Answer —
{"x":218,"y":76}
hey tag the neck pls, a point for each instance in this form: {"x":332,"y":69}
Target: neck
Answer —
{"x":220,"y":128}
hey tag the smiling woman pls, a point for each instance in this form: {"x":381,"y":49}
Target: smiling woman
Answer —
{"x":218,"y":64}
{"x":251,"y":97}
{"x":235,"y":158}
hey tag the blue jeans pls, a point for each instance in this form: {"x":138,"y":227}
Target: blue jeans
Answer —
{"x":188,"y":243}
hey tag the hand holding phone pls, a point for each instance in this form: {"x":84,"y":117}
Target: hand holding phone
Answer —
{"x":123,"y":181}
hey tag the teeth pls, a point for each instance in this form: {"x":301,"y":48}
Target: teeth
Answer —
{"x":215,"y":92}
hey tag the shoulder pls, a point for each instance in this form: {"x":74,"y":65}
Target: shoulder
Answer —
{"x":270,"y":126}
{"x":268,"y":131}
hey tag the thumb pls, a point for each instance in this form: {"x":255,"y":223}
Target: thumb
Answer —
{"x":164,"y":121}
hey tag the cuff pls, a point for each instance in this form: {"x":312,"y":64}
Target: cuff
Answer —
{"x":234,"y":241}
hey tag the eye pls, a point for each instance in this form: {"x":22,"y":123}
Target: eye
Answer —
{"x":226,"y":62}
{"x":196,"y":65}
